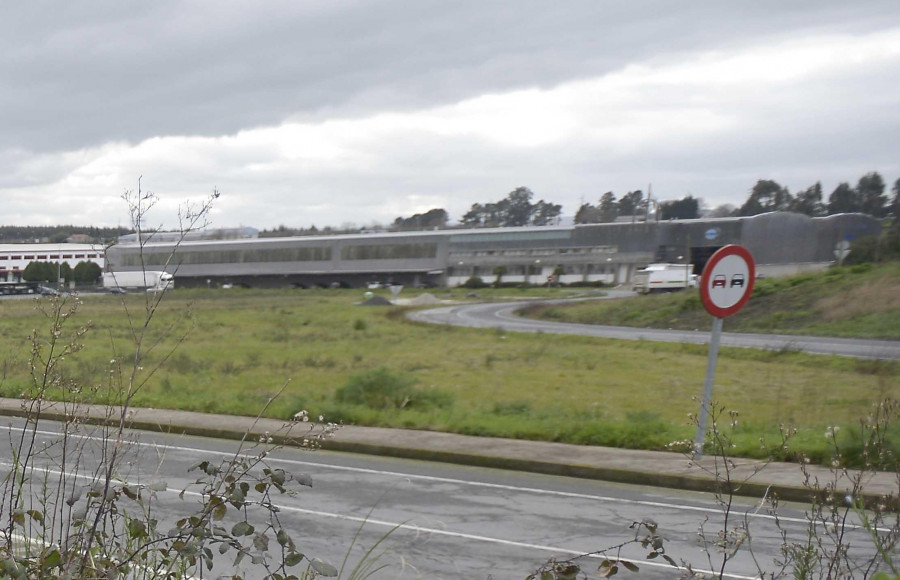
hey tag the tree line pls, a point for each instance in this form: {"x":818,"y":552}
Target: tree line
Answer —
{"x":59,"y":234}
{"x":516,"y":209}
{"x":633,"y":204}
{"x":868,"y":197}
{"x":82,"y":273}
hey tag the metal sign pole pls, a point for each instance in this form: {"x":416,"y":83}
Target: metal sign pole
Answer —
{"x":700,"y":437}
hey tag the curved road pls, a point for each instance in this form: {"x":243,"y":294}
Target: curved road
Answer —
{"x":502,"y":315}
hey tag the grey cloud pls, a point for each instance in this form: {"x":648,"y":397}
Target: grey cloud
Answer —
{"x":81,"y":74}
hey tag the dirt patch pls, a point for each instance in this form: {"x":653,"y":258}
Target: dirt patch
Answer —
{"x":376,"y":301}
{"x":424,"y":299}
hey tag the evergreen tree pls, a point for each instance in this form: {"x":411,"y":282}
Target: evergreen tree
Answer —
{"x":767,"y":195}
{"x":517,"y":207}
{"x":809,"y":201}
{"x":871,"y":196}
{"x":895,"y":205}
{"x":586,"y":214}
{"x":65,"y":273}
{"x":687,"y":208}
{"x":431,"y":219}
{"x":631,"y":202}
{"x":609,"y":209}
{"x":86,"y":273}
{"x":895,"y":209}
{"x":474,"y":217}
{"x":39,"y":272}
{"x":843,"y":200}
{"x":545,"y":213}
{"x":514,"y":210}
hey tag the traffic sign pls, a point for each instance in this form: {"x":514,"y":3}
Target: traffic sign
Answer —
{"x":725,"y":286}
{"x":841,"y":249}
{"x":727,"y":281}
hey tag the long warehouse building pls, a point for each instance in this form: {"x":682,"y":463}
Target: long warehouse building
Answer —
{"x":782,"y":243}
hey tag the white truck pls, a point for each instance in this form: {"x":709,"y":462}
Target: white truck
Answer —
{"x":150,"y":280}
{"x":664,"y":278}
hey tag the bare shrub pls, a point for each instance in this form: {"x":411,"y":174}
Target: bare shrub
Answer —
{"x":68,"y":508}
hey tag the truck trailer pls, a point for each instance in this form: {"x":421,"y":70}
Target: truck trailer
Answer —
{"x":664,"y":278}
{"x":149,"y":280}
{"x":7,"y":288}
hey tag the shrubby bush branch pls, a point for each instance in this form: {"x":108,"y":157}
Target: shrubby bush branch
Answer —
{"x":67,"y":508}
{"x":825,"y":549}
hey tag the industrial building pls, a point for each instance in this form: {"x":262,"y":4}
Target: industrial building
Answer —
{"x":14,"y":258}
{"x":782,"y":243}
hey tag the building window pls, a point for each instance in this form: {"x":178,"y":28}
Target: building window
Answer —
{"x":297,"y":254}
{"x":389,"y":252}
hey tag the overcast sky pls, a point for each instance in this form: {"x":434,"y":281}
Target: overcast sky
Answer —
{"x":330,"y":112}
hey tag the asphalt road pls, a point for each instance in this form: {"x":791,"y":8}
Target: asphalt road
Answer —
{"x":442,"y":521}
{"x":502,"y":315}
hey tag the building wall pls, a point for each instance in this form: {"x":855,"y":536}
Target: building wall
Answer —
{"x":14,"y":258}
{"x":586,"y":253}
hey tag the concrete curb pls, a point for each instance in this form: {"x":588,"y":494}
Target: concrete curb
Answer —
{"x":615,"y":475}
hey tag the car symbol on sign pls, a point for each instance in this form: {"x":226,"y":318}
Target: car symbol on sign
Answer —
{"x":737,"y":280}
{"x":719,"y":281}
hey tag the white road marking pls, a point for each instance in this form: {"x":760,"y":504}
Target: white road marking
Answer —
{"x":462,"y":482}
{"x":433,"y":531}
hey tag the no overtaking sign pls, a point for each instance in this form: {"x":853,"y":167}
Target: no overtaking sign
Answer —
{"x":725,"y":287}
{"x":727,"y":281}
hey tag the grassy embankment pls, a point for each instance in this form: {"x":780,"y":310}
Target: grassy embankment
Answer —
{"x":860,"y":302}
{"x":244,"y":345}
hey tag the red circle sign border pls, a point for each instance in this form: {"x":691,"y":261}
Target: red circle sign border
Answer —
{"x":721,"y":253}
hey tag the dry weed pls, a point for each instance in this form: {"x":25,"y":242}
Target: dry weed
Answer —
{"x":870,"y":298}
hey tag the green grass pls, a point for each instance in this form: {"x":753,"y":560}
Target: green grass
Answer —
{"x":243,"y":345}
{"x":858,"y":301}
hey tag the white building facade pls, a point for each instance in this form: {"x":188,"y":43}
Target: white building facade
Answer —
{"x":14,"y":258}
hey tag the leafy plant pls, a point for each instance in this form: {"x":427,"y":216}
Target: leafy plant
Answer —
{"x":475,"y":282}
{"x":383,"y":388}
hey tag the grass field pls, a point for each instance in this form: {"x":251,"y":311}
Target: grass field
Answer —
{"x":242,"y":346}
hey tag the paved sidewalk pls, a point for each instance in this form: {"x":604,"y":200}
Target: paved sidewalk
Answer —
{"x":620,"y":465}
